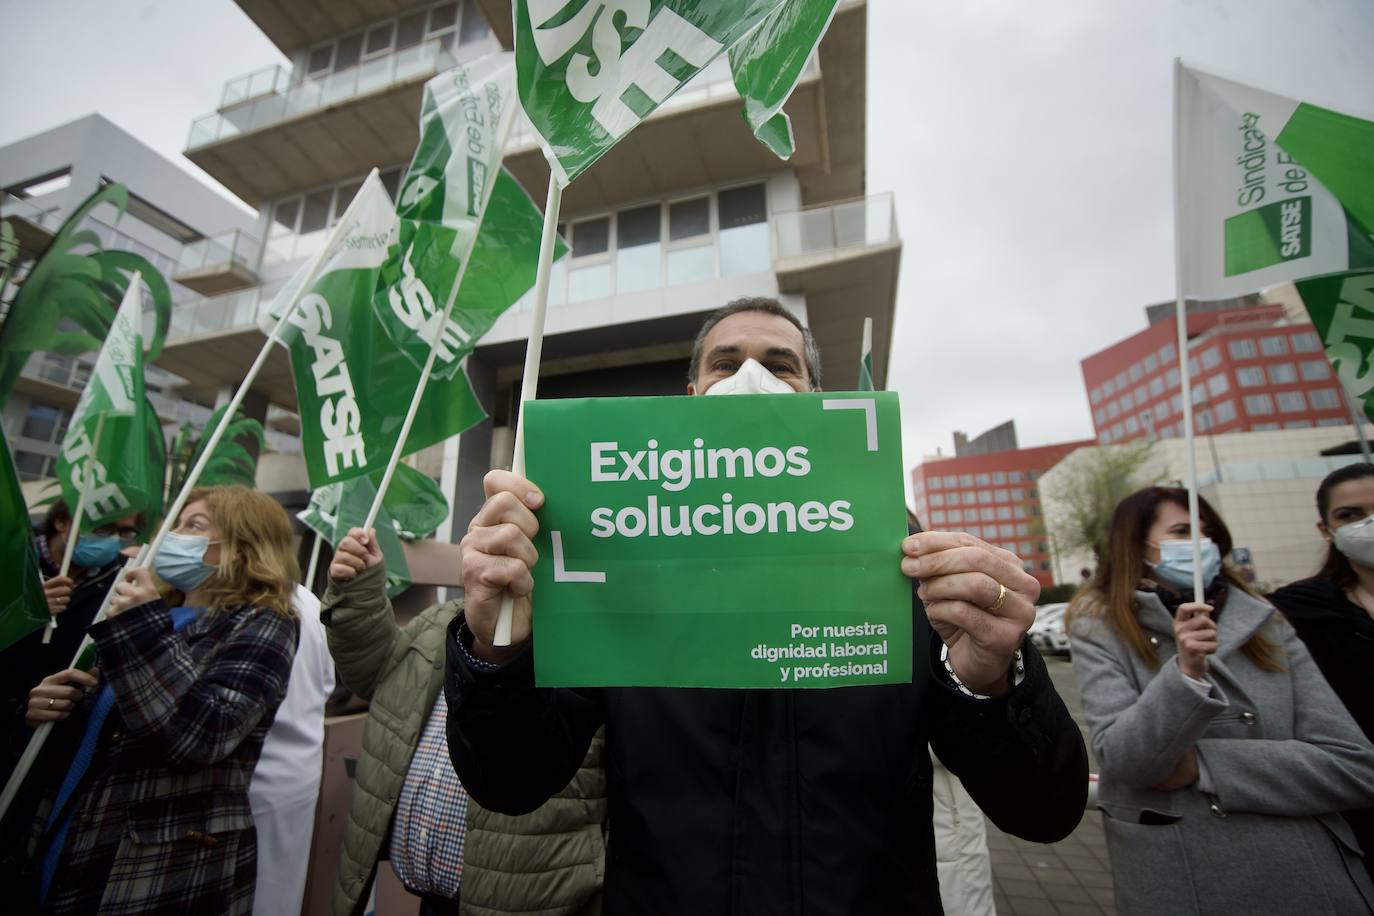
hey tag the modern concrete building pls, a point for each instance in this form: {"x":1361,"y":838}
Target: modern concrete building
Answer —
{"x":172,"y":220}
{"x":1256,"y":364}
{"x":1263,"y":484}
{"x":684,"y":214}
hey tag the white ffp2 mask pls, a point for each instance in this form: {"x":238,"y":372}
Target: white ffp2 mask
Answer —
{"x":751,"y":378}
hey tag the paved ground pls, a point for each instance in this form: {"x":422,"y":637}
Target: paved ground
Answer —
{"x":1071,"y":878}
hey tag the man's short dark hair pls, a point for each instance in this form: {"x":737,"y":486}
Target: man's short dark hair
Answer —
{"x":756,"y":304}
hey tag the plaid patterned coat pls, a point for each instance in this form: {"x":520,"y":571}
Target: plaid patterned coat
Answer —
{"x":161,"y":823}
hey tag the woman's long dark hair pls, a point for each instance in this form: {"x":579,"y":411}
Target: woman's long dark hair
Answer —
{"x":1337,"y":568}
{"x":1111,"y":593}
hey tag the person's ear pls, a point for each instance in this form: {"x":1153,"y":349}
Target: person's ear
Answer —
{"x":691,"y":387}
{"x":1325,"y":532}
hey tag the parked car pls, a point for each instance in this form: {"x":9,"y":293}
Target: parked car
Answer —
{"x":1047,"y":633}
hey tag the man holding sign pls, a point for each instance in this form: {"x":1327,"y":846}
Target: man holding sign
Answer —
{"x":781,"y":800}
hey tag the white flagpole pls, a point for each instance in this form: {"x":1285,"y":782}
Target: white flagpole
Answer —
{"x":533,"y":354}
{"x":314,"y":563}
{"x":74,"y":525}
{"x":1181,"y":315}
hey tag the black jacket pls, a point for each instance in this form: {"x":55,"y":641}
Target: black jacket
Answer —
{"x":764,"y":802}
{"x":1340,"y":636}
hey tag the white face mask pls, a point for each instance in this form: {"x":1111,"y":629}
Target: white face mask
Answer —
{"x":751,"y":378}
{"x":1356,"y":541}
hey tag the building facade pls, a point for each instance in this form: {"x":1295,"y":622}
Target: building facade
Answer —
{"x":1254,"y":366}
{"x":994,"y":496}
{"x":170,"y":221}
{"x":1263,"y":484}
{"x":687,"y":212}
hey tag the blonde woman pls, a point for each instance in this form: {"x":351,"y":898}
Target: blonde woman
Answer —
{"x":1225,"y":757}
{"x":152,"y":814}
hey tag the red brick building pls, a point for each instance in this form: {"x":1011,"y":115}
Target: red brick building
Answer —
{"x":1254,"y":367}
{"x":994,"y":496}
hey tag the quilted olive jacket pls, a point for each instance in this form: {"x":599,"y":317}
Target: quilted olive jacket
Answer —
{"x":548,"y":862}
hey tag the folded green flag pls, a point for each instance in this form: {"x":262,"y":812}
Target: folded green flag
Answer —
{"x":23,"y":609}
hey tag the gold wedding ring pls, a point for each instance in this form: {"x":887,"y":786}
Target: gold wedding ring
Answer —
{"x":1001,"y":598}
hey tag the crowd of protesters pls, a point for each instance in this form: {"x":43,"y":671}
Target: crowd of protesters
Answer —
{"x":1233,"y":734}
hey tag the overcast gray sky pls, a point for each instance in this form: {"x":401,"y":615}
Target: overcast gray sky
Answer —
{"x":1028,"y":145}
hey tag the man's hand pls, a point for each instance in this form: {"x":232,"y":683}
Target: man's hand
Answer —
{"x":498,"y":554}
{"x":356,"y":552}
{"x":1196,"y":634}
{"x":56,"y":696}
{"x":58,"y":591}
{"x":1184,"y":775}
{"x":961,"y":584}
{"x":134,"y":589}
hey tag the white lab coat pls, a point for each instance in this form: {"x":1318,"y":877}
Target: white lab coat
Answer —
{"x":286,"y":782}
{"x":961,"y":847}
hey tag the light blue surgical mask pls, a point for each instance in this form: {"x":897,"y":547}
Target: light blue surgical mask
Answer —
{"x":93,"y":551}
{"x":1175,"y":566}
{"x":181,"y":561}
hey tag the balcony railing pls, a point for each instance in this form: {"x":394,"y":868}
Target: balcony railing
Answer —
{"x":265,"y":97}
{"x":218,"y":252}
{"x":835,"y":228}
{"x":12,"y":207}
{"x":234,"y":311}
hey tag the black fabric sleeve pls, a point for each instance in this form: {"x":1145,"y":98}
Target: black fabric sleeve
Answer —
{"x":1021,"y":755}
{"x":512,"y":744}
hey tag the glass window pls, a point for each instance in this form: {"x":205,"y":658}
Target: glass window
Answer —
{"x":391,"y":180}
{"x":1137,"y":373}
{"x":1204,"y":420}
{"x":1151,"y":363}
{"x":1217,"y":384}
{"x":1171,"y":378}
{"x":985,"y":496}
{"x":410,"y":31}
{"x":1109,"y":387}
{"x":1264,"y":427}
{"x":1018,"y":511}
{"x":1095,"y":395}
{"x":1166,"y":353}
{"x":1177,"y":403}
{"x":638,"y":262}
{"x":935,"y":483}
{"x":1226,"y":411}
{"x":1274,"y":346}
{"x":1113,"y":410}
{"x":999,"y":478}
{"x":691,"y":265}
{"x":1161,"y":410}
{"x":951,"y":482}
{"x":744,"y":244}
{"x":1250,"y":376}
{"x":40,"y":422}
{"x":954,"y":498}
{"x":1127,"y":401}
{"x":1306,"y":343}
{"x":29,"y":465}
{"x":1004,"y":512}
{"x":1332,"y":421}
{"x":350,"y":50}
{"x":955,"y":515}
{"x":1291,"y":402}
{"x":1156,"y":387}
{"x":1121,"y":381}
{"x":474,"y":24}
{"x":443,"y":17}
{"x":742,"y":206}
{"x":347,"y":191}
{"x":1297,"y":424}
{"x":1314,"y":370}
{"x":1257,"y":405}
{"x":1193,"y":367}
{"x":1017,"y":494}
{"x":1099,"y":416}
{"x":999,"y":496}
{"x":1199,"y":395}
{"x":981,"y":480}
{"x":1211,"y":358}
{"x":1283,"y":373}
{"x":1140,"y":395}
{"x":320,"y":60}
{"x":284,"y":215}
{"x":591,"y":236}
{"x":937,"y":499}
{"x":965,"y":480}
{"x":937,"y":518}
{"x":688,"y":218}
{"x":379,"y":39}
{"x":315,"y":215}
{"x":1324,"y":399}
{"x":1242,"y":349}
{"x":1014,"y":477}
{"x":1132,"y":425}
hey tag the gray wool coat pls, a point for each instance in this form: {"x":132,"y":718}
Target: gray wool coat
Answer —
{"x":1282,"y":754}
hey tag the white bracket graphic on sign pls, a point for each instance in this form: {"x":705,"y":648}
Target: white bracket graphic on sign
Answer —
{"x":561,"y":572}
{"x":867,"y":405}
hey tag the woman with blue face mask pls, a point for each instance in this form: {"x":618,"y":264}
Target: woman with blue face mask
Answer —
{"x":1333,"y":611}
{"x":149,"y":811}
{"x":1224,"y":756}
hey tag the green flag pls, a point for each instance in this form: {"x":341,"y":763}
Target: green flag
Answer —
{"x":589,"y":72}
{"x":352,"y":384}
{"x":866,"y":359}
{"x":767,"y":62}
{"x":23,"y":609}
{"x":109,"y":447}
{"x":413,"y":508}
{"x":1275,"y":190}
{"x":459,"y":214}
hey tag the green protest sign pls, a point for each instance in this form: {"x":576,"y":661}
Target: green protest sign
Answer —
{"x":746,"y":542}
